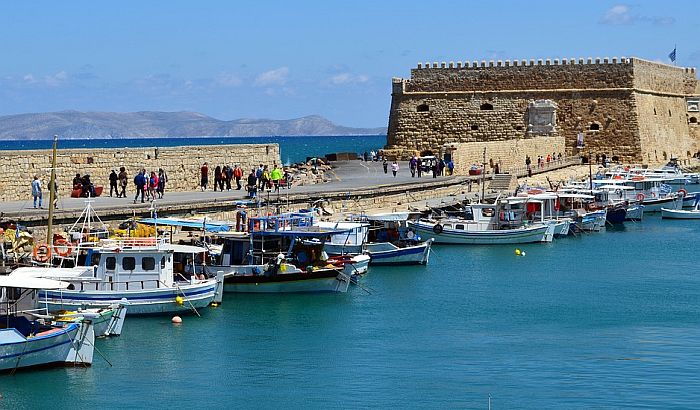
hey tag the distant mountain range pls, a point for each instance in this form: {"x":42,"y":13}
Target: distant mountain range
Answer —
{"x":153,"y":124}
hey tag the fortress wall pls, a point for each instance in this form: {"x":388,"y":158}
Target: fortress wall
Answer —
{"x":451,"y":118}
{"x":663,"y":78}
{"x":526,"y":75}
{"x":508,"y":154}
{"x":182,"y":165}
{"x":663,"y":128}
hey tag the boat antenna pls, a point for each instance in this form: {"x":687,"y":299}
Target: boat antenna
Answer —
{"x":52,"y":193}
{"x":483,"y":177}
{"x":590,"y":170}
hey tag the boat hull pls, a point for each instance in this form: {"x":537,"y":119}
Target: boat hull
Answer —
{"x":410,"y":255}
{"x":655,"y":205}
{"x":679,"y":214}
{"x":141,"y":302}
{"x":540,"y":233}
{"x":71,"y":345}
{"x":242,"y":279}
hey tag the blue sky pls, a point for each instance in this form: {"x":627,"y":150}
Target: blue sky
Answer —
{"x":281,"y":59}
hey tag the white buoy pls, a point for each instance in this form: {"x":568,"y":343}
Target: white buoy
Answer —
{"x":176,"y":319}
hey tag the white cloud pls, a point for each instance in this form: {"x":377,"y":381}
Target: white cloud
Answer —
{"x":56,"y":79}
{"x":273,"y":77}
{"x":622,"y":14}
{"x":29,"y":78}
{"x":228,"y":80}
{"x":348,"y":78}
{"x":619,"y":14}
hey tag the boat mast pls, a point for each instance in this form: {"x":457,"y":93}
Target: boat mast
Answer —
{"x":483,"y":177}
{"x":590,"y":170}
{"x":52,"y":194}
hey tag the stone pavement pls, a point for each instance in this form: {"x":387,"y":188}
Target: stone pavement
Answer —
{"x":346,"y":176}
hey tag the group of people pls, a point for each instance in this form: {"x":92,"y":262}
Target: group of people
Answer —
{"x":541,"y":161}
{"x":148,"y":186}
{"x":223,"y":176}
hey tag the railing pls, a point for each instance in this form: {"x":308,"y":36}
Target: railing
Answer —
{"x":522,"y":171}
{"x":111,"y":285}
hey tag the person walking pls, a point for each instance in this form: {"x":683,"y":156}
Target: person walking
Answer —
{"x":238,"y":174}
{"x":204,"y":173}
{"x":419,"y":167}
{"x":140,"y":181}
{"x":385,"y":165}
{"x":276,"y":177}
{"x":528,"y":165}
{"x":265,"y":178}
{"x":217,"y":177}
{"x":113,"y":178}
{"x":412,"y":166}
{"x":394,"y":168}
{"x":123,"y":182}
{"x":228,"y":174}
{"x":36,"y":190}
{"x":258,"y":175}
{"x":162,"y":179}
{"x":152,"y":186}
{"x":252,"y":185}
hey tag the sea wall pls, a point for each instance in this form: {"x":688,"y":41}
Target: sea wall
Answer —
{"x":508,"y":154}
{"x":182,"y":165}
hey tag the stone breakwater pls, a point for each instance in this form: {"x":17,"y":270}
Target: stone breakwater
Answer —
{"x":182,"y":165}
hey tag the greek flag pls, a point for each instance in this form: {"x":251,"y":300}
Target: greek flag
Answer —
{"x":672,"y":56}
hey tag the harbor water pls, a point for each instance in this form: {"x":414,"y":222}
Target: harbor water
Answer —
{"x":292,"y":149}
{"x":602,"y":320}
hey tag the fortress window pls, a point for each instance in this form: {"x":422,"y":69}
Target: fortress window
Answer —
{"x":475,"y":127}
{"x":486,"y":107}
{"x":518,"y":127}
{"x":594,"y":126}
{"x":693,"y":120}
{"x":423,"y":108}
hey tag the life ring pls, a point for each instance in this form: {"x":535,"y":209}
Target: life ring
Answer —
{"x":410,"y":234}
{"x":683,"y":192}
{"x":437,"y":228}
{"x":42,"y":253}
{"x":640,"y":196}
{"x":653,"y":194}
{"x":62,"y":244}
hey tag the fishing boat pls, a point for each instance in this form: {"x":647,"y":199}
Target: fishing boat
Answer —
{"x":681,"y":213}
{"x":27,"y":342}
{"x":385,"y":238}
{"x":139,"y":270}
{"x":480,"y":226}
{"x":281,"y":254}
{"x":107,"y":321}
{"x":536,"y":207}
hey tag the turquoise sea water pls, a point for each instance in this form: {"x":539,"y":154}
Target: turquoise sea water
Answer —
{"x":606,"y":320}
{"x":293,"y":149}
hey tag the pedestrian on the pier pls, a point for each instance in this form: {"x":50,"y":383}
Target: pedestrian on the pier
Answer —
{"x":36,"y":190}
{"x":385,"y":165}
{"x":113,"y":178}
{"x":287,"y":178}
{"x":229,"y":177}
{"x":162,"y":179}
{"x":204,"y":172}
{"x":496,"y":169}
{"x":238,"y":174}
{"x":412,"y":166}
{"x":365,"y":155}
{"x":419,"y":167}
{"x":276,"y":177}
{"x":77,"y":181}
{"x":140,"y":181}
{"x":451,"y":167}
{"x":258,"y":175}
{"x":549,"y":159}
{"x":217,"y":177}
{"x":441,"y":167}
{"x":265,"y":178}
{"x":252,"y":185}
{"x":88,"y":187}
{"x":152,"y":185}
{"x":394,"y":168}
{"x":435,"y":169}
{"x":123,"y":182}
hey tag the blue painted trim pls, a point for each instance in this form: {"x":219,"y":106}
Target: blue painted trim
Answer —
{"x":75,"y":295}
{"x":395,"y":253}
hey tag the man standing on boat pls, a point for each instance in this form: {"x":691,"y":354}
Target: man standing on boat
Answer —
{"x":36,"y":190}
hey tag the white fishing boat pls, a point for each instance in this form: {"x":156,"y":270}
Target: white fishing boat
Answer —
{"x":385,"y":238}
{"x":653,"y":193}
{"x":282,"y":254}
{"x":107,"y":321}
{"x":26,"y":342}
{"x":480,"y":226}
{"x":139,"y":270}
{"x":681,"y":213}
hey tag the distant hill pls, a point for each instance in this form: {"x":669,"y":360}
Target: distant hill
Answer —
{"x":83,"y":125}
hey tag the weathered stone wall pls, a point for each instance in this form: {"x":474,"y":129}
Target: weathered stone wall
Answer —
{"x":606,"y":99}
{"x":182,"y":164}
{"x":508,"y":154}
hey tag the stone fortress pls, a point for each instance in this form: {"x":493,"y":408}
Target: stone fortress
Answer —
{"x":629,"y":109}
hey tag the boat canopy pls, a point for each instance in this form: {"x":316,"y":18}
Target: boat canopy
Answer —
{"x":29,"y":282}
{"x":209,"y":226}
{"x":391,"y":217}
{"x":624,"y":187}
{"x":177,"y":248}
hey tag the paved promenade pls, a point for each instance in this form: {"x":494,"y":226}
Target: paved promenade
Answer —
{"x":347,"y":176}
